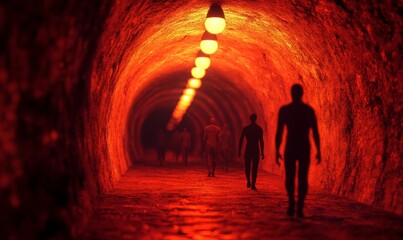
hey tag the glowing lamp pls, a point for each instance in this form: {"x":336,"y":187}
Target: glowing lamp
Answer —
{"x":202,"y":60}
{"x":181,"y":106}
{"x":189,"y":92}
{"x":178,"y":113}
{"x":177,"y":116}
{"x":185,"y":99}
{"x":194,"y":83}
{"x":198,"y":72}
{"x":209,"y":44}
{"x":215,"y":21}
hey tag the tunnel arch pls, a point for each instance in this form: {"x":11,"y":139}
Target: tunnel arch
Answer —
{"x":214,"y":98}
{"x":71,"y":70}
{"x":270,"y":46}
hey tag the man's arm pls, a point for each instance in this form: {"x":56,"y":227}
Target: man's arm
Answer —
{"x":261,"y":144}
{"x":279,"y":134}
{"x":241,"y":142}
{"x":316,"y":138}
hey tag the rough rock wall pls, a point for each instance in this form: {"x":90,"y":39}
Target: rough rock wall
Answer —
{"x":361,"y":129}
{"x":47,"y":51}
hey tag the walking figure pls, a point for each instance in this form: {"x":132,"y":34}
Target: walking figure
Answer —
{"x":211,"y":145}
{"x":254,"y":136}
{"x":176,"y":144}
{"x":299,"y":119}
{"x":161,"y":145}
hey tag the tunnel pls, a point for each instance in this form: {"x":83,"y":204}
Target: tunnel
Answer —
{"x":86,"y":84}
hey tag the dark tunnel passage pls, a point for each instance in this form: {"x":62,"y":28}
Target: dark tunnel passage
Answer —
{"x":152,"y":110}
{"x":85,"y":84}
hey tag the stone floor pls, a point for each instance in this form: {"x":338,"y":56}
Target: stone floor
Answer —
{"x":178,"y":202}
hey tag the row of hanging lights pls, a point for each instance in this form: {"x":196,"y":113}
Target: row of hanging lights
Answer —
{"x":214,"y":24}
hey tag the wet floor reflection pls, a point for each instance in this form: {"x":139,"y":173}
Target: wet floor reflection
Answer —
{"x":182,"y":203}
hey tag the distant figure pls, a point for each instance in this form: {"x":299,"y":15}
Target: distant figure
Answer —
{"x":176,"y":143}
{"x":185,"y":145}
{"x":211,"y":145}
{"x":226,"y":146}
{"x":299,"y":119}
{"x":161,"y":145}
{"x":254,"y":136}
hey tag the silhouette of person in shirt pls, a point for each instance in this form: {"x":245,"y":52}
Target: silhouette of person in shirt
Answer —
{"x":254,"y":136}
{"x":161,"y":145}
{"x":299,"y":119}
{"x":211,"y":145}
{"x":176,"y":143}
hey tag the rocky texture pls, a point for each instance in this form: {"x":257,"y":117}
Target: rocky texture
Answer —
{"x":74,"y":75}
{"x":155,"y":203}
{"x":47,"y":179}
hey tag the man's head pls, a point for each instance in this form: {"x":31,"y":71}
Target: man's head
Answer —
{"x":253,"y":117}
{"x":212,"y":120}
{"x":296,"y":92}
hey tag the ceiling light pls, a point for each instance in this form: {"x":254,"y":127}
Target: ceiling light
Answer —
{"x":209,"y":44}
{"x":215,"y":21}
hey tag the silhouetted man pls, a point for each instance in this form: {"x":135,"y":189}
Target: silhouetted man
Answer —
{"x":160,"y":145}
{"x":299,"y":119}
{"x":176,"y":143}
{"x":211,"y":145}
{"x":185,"y":145}
{"x":254,"y":136}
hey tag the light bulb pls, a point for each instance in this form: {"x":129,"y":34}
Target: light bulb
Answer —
{"x":189,"y":92}
{"x":202,"y":60}
{"x":194,"y":83}
{"x":198,"y":72}
{"x":209,"y":44}
{"x":215,"y":20}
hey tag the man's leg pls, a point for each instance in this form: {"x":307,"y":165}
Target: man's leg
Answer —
{"x":214,"y":161}
{"x":255,"y":164}
{"x":209,"y":161}
{"x":303,"y":168}
{"x":185,"y":156}
{"x":248,"y":160}
{"x":289,"y":163}
{"x":159,"y":155}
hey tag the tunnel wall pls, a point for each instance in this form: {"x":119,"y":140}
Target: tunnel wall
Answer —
{"x":49,"y":168}
{"x":70,"y":71}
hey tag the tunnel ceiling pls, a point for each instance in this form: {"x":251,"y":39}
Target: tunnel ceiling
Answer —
{"x":344,"y":53}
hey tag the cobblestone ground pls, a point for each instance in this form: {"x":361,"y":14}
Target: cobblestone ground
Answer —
{"x":177,"y":202}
